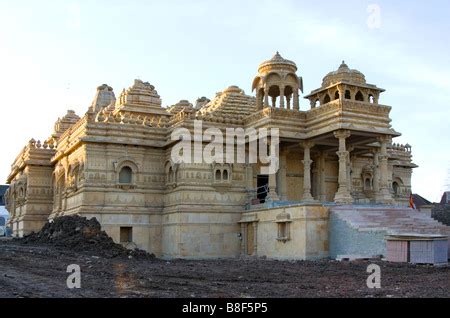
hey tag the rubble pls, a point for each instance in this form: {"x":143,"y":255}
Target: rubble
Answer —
{"x":78,"y":234}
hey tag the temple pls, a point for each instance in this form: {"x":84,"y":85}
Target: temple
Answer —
{"x":336,"y":153}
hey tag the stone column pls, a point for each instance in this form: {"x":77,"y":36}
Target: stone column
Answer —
{"x":259,"y":100}
{"x":343,"y":194}
{"x":341,"y":91}
{"x":349,"y":169}
{"x":251,"y":193}
{"x":266,"y":97}
{"x":322,"y":178}
{"x":296,"y":105}
{"x":273,"y":195}
{"x":384,"y":195}
{"x":307,"y":145}
{"x":274,"y":102}
{"x":376,"y":173}
{"x":282,"y":178}
{"x":288,"y":102}
{"x":281,"y":97}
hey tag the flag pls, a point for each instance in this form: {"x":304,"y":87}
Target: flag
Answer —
{"x":411,"y":202}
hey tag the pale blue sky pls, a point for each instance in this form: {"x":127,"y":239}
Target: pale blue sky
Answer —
{"x":53,"y":54}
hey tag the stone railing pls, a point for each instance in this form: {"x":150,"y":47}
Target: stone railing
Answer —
{"x":275,"y":113}
{"x":181,"y":116}
{"x":400,"y":148}
{"x":156,"y":120}
{"x":38,"y":145}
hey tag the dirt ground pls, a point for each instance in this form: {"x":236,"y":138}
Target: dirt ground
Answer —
{"x":40,"y":271}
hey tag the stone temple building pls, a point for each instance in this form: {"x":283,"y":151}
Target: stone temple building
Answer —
{"x":114,"y":163}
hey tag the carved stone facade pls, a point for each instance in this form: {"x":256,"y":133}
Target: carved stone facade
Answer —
{"x":114,"y":163}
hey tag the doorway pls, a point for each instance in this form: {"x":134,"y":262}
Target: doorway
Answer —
{"x":262,"y":185}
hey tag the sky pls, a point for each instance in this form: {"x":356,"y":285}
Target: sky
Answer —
{"x":53,"y":55}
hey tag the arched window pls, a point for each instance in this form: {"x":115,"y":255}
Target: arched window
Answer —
{"x":395,"y":188}
{"x":348,"y":95}
{"x":336,"y":95}
{"x":327,"y":99}
{"x":371,"y":99}
{"x":125,"y":175}
{"x":317,"y":103}
{"x":359,"y":96}
{"x":367,"y":184}
{"x":218,"y":175}
{"x":225,"y":175}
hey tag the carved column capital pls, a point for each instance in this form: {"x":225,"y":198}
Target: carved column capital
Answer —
{"x":385,"y":139}
{"x":307,"y":144}
{"x":342,"y":134}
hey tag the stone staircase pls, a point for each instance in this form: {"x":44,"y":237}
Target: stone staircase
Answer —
{"x":361,"y":230}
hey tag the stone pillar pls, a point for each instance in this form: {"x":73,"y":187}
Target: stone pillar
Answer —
{"x":376,"y":98}
{"x":343,"y":194}
{"x":341,"y":91}
{"x":266,"y":97}
{"x":281,"y":97}
{"x":376,"y":173}
{"x":259,"y":100}
{"x":322,"y":178}
{"x":349,"y":169}
{"x":251,"y":193}
{"x":282,"y":178}
{"x":384,"y":195}
{"x":296,"y":105}
{"x":273,"y":195}
{"x":307,"y":145}
{"x":288,"y":102}
{"x":274,"y":102}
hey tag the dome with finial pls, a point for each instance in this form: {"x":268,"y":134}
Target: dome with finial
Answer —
{"x":277,"y":61}
{"x":344,"y":74}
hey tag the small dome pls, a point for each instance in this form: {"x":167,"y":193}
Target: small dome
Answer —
{"x":182,"y":105}
{"x":233,"y":89}
{"x":344,"y":74}
{"x":277,"y":60}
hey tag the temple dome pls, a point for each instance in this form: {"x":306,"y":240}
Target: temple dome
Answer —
{"x":277,"y":61}
{"x":344,"y":74}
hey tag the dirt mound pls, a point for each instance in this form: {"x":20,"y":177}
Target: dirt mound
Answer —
{"x":79,"y":234}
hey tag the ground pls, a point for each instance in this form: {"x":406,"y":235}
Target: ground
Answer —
{"x":40,"y":271}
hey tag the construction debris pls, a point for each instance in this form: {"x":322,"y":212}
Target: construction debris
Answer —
{"x":78,"y":234}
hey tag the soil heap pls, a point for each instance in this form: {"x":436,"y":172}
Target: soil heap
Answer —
{"x":79,"y":234}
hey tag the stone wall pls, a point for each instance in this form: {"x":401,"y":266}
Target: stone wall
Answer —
{"x":307,"y":227}
{"x":345,"y":240}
